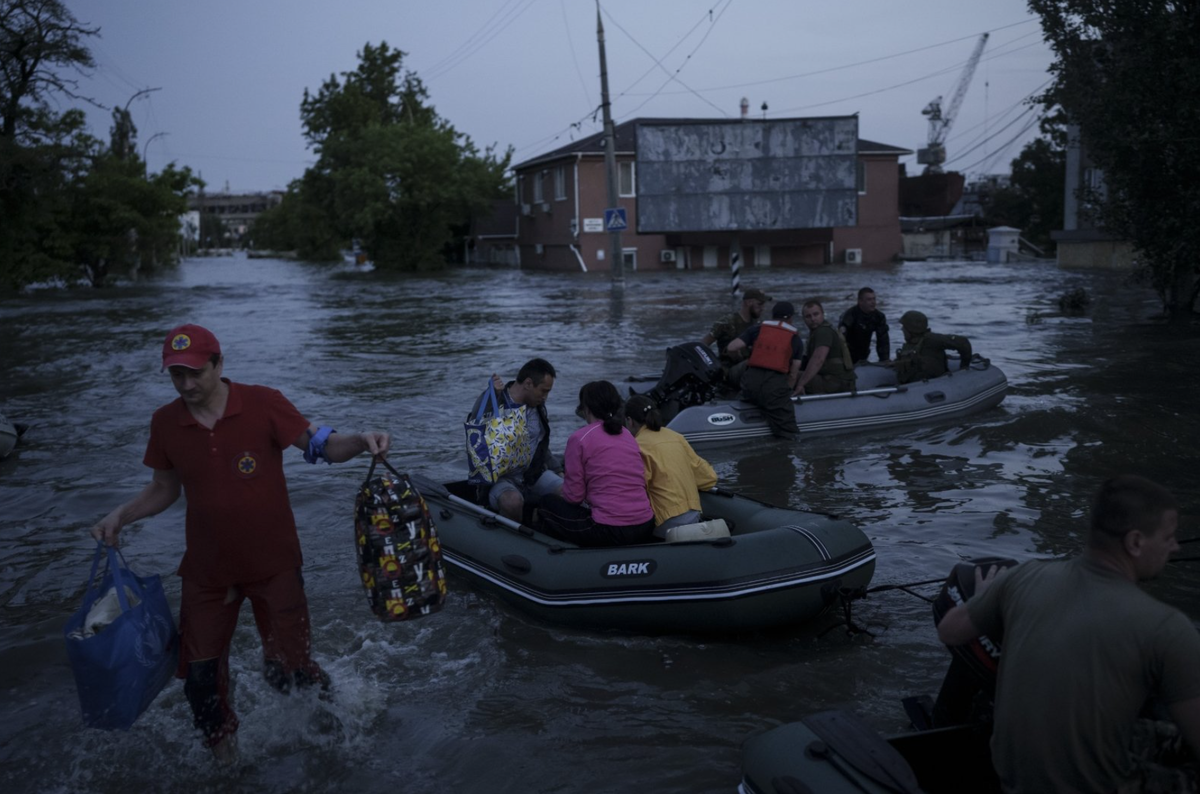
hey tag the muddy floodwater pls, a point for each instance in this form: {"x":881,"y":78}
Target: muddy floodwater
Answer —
{"x":479,"y":698}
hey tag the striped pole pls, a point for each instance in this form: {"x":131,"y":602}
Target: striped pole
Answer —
{"x":735,"y":268}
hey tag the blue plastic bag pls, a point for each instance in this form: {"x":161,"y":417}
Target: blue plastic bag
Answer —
{"x":122,"y":667}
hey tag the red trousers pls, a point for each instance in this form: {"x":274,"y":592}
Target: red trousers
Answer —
{"x":207,"y":619}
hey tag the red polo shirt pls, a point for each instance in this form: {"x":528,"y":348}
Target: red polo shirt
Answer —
{"x":240,"y":526}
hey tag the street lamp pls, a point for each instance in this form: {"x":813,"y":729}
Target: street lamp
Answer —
{"x":146,"y":148}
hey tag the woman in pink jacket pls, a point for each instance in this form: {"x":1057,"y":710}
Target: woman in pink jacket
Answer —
{"x":604,"y":500}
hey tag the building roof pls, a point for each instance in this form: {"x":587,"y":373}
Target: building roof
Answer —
{"x":626,"y":135}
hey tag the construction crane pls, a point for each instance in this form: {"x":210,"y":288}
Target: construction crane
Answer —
{"x":934,"y":154}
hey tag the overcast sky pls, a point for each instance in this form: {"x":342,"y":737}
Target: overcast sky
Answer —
{"x":525,"y":73}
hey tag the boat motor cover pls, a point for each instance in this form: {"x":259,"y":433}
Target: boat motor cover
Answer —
{"x":690,"y":376}
{"x":981,"y":654}
{"x":399,"y":556}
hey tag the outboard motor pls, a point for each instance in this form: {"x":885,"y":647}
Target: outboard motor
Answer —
{"x":973,"y":666}
{"x":691,"y":377}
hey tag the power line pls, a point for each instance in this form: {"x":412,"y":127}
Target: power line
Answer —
{"x":1003,"y":148}
{"x":674,"y":76}
{"x":995,"y":119}
{"x":587,"y":97}
{"x":470,"y":39}
{"x":658,"y":62}
{"x":753,"y":83}
{"x":433,"y":74}
{"x":577,"y":125}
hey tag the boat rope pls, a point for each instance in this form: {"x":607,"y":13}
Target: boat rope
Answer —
{"x":906,"y":588}
{"x":847,"y":596}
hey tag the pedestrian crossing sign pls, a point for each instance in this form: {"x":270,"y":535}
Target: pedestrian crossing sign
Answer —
{"x":614,"y":220}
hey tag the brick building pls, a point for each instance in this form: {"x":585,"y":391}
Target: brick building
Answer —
{"x":561,"y":196}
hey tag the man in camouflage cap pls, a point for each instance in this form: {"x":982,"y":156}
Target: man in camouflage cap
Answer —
{"x":732,"y":326}
{"x":924,"y":353}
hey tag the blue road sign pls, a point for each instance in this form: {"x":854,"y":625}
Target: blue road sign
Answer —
{"x":614,"y":220}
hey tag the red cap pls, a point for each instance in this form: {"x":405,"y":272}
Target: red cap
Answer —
{"x":189,"y":346}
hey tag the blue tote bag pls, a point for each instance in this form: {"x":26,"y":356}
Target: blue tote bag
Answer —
{"x":122,"y":665}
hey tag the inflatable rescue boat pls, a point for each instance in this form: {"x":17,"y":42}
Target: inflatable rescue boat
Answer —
{"x":768,"y":566}
{"x":686,"y":393}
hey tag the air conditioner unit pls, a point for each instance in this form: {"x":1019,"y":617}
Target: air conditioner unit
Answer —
{"x":526,"y":209}
{"x":539,"y":249}
{"x":545,"y":206}
{"x":666,"y":255}
{"x":853,"y":256}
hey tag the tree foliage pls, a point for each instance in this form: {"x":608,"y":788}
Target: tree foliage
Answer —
{"x":390,"y":172}
{"x":1033,"y":199}
{"x":1127,"y":73}
{"x":70,"y":203}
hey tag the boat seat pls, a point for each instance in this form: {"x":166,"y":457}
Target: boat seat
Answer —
{"x":704,"y":530}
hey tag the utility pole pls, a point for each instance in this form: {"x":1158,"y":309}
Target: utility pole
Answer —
{"x":610,"y":159}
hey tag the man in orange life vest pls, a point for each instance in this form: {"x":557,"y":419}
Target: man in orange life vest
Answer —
{"x":775,"y":355}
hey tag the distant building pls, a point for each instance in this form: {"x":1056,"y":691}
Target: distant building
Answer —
{"x":560,"y":198}
{"x":1082,"y":242}
{"x":236,"y":210}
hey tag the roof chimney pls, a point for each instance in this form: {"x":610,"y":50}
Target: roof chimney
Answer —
{"x":745,"y":108}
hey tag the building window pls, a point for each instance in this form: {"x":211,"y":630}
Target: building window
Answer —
{"x":560,"y":183}
{"x":537,"y":187}
{"x":625,"y":179}
{"x":860,"y":177}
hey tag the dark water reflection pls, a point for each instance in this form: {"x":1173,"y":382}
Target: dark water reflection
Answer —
{"x":479,"y":698}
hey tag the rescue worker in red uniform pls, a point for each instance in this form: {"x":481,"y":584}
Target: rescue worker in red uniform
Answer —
{"x":221,"y":444}
{"x":774,"y":366}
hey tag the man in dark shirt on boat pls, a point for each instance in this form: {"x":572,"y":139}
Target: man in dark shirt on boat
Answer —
{"x":828,"y":368}
{"x":857,"y":325}
{"x":772,"y":368}
{"x":542,"y":476}
{"x":732,"y":326}
{"x":924,"y":353}
{"x":1084,"y":648}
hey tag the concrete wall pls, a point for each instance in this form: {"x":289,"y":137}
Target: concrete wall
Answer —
{"x":1104,"y":254}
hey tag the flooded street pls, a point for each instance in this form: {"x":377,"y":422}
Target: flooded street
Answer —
{"x":479,"y":698}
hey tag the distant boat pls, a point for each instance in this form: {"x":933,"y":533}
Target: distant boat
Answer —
{"x":687,"y":395}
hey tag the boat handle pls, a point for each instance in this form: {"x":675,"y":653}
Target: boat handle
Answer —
{"x":935,"y":397}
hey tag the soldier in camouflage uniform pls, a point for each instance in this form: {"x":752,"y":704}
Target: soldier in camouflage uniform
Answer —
{"x":924,"y":353}
{"x":828,"y":368}
{"x":732,"y":326}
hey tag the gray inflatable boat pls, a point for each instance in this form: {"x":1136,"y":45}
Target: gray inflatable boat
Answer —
{"x":879,"y":402}
{"x":776,"y":567}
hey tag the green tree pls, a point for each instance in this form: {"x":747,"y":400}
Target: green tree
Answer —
{"x":1127,"y":72}
{"x":390,"y":172}
{"x":294,"y":225}
{"x":67,"y":200}
{"x":1033,"y":200}
{"x":121,"y":221}
{"x":41,"y":52}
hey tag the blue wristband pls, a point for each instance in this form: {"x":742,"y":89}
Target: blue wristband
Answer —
{"x":316,"y":445}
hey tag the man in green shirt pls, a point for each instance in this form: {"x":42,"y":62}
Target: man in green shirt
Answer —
{"x":828,"y":368}
{"x":1084,"y":648}
{"x":730,"y":327}
{"x":924,"y":353}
